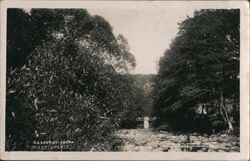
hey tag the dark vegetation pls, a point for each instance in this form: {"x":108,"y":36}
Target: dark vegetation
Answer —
{"x":67,"y":79}
{"x":197,"y":85}
{"x":142,"y":102}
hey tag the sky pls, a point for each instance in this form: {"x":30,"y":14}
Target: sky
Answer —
{"x":149,"y":31}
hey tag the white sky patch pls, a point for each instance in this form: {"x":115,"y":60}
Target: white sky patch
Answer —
{"x":149,"y":32}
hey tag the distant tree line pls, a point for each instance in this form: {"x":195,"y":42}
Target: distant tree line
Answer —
{"x":67,"y":79}
{"x":142,"y":100}
{"x":201,"y":70}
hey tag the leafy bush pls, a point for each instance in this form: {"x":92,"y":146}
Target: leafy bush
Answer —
{"x":75,"y":87}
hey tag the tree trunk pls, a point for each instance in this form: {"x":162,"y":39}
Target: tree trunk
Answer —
{"x":218,"y":105}
{"x":222,"y":109}
{"x":230,"y":126}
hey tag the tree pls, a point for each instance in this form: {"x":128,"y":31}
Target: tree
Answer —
{"x":25,"y":31}
{"x":201,"y":66}
{"x":72,"y":85}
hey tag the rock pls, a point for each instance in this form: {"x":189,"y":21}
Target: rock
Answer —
{"x":166,"y":149}
{"x":235,"y":144}
{"x":144,"y":143}
{"x":205,"y":135}
{"x":204,"y":149}
{"x":220,"y":150}
{"x":136,"y":148}
{"x":224,"y":135}
{"x":236,"y":149}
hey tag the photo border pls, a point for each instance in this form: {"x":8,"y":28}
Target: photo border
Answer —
{"x":244,"y":81}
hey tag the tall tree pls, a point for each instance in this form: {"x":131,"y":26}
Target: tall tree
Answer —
{"x":72,"y":85}
{"x":201,"y":66}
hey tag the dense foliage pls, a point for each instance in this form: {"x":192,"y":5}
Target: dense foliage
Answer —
{"x":200,"y":70}
{"x":67,"y":79}
{"x":142,"y":100}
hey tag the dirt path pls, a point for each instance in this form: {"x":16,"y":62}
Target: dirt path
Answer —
{"x":143,"y":140}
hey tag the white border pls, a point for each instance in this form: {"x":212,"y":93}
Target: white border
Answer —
{"x":244,"y":81}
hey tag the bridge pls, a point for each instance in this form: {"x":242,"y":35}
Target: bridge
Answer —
{"x":146,"y":120}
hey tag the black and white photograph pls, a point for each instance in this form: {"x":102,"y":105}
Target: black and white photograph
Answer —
{"x":144,"y":77}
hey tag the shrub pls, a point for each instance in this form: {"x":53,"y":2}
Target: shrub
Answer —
{"x":70,"y":90}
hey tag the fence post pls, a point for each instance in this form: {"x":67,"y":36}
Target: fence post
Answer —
{"x":146,"y":123}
